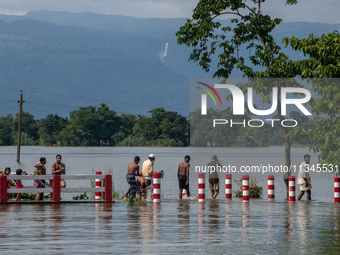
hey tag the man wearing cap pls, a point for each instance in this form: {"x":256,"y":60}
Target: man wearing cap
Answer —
{"x":214,"y":182}
{"x":147,"y":170}
{"x":304,"y":178}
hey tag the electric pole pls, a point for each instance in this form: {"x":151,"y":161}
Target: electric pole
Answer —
{"x":19,"y":125}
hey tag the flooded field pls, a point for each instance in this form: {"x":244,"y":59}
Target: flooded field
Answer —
{"x":173,"y":226}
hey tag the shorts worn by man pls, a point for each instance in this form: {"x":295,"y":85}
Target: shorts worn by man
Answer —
{"x":214,"y":182}
{"x":304,"y":178}
{"x":132,"y":171}
{"x":147,"y":170}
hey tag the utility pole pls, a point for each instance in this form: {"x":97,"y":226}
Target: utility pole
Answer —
{"x":19,"y":125}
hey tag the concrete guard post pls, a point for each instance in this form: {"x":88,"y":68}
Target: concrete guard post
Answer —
{"x":228,"y":186}
{"x":271,"y":187}
{"x":56,"y":188}
{"x":201,"y":187}
{"x":98,"y":195}
{"x":3,"y":189}
{"x":291,"y":188}
{"x":336,"y":190}
{"x":108,"y":187}
{"x":156,"y":187}
{"x":245,"y":183}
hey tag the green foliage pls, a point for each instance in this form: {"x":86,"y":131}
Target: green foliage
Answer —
{"x":29,"y":125}
{"x":131,"y":200}
{"x":115,"y":195}
{"x":249,"y":28}
{"x":168,"y":128}
{"x":323,"y":62}
{"x":81,"y":197}
{"x":50,"y":128}
{"x":255,"y":191}
{"x":93,"y":126}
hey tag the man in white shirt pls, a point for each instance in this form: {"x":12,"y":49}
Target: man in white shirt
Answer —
{"x":304,"y":178}
{"x":147,"y":170}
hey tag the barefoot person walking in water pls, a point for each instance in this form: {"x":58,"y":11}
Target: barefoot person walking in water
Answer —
{"x":147,"y":170}
{"x":58,"y":168}
{"x":304,"y":178}
{"x":133,"y":170}
{"x":183,"y":176}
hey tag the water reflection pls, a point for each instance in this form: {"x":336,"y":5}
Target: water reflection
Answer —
{"x":245,"y":216}
{"x":107,"y":220}
{"x":336,"y":224}
{"x":56,"y":226}
{"x":304,"y":222}
{"x":214,"y":223}
{"x":245,"y":225}
{"x":184,"y":224}
{"x":288,"y":212}
{"x":146,"y":219}
{"x":201,"y":222}
{"x":228,"y":213}
{"x":133,"y":224}
{"x":270,"y":213}
{"x":3,"y":212}
{"x":156,"y":221}
{"x":39,"y":225}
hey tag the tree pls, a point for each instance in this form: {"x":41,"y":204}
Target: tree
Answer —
{"x":29,"y":125}
{"x":323,"y":62}
{"x":250,"y":29}
{"x":50,"y":128}
{"x":6,"y":129}
{"x":170,"y":127}
{"x":109,"y":122}
{"x":85,"y":125}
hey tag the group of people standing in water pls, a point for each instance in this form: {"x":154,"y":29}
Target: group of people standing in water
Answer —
{"x":58,"y":168}
{"x":144,"y":182}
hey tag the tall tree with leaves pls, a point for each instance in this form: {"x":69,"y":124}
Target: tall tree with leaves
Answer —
{"x":249,"y":29}
{"x":323,"y":62}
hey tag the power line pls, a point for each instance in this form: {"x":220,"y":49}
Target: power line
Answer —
{"x":8,"y":102}
{"x":100,"y":100}
{"x":85,"y":106}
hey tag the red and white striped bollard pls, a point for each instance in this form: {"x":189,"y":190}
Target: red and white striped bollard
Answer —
{"x":245,"y":183}
{"x":228,"y":186}
{"x":291,"y":188}
{"x":156,"y":187}
{"x":201,"y":187}
{"x":98,"y":195}
{"x":184,"y":192}
{"x":271,"y":188}
{"x":336,"y":190}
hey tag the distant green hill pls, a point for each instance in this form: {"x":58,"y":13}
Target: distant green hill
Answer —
{"x":64,"y":60}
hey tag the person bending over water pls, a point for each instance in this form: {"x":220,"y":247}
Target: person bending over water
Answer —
{"x":142,"y":185}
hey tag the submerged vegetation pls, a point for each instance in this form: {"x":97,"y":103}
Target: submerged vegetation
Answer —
{"x":255,"y":191}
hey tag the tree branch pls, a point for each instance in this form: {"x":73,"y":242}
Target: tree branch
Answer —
{"x":235,"y":13}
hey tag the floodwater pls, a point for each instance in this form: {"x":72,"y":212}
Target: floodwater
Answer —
{"x":173,"y":226}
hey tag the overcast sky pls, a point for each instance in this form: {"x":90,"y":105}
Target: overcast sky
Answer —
{"x":324,"y":11}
